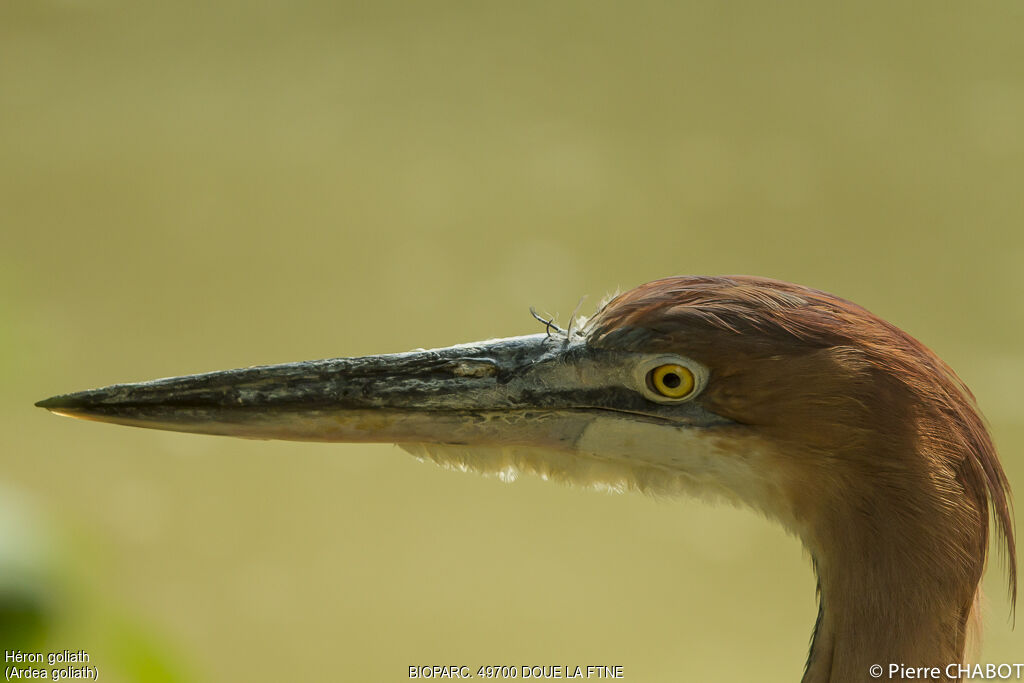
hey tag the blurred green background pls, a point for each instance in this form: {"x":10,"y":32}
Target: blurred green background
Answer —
{"x":193,"y":186}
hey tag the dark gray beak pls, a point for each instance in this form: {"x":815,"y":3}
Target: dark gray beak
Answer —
{"x":498,"y":391}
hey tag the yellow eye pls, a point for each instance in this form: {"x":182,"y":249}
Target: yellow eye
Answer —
{"x":672,"y":380}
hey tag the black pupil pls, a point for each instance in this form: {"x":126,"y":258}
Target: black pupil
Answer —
{"x":671,"y":380}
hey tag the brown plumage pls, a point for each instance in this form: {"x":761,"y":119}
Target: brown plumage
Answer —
{"x":888,"y":465}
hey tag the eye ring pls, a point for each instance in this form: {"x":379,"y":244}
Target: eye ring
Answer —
{"x":672,"y":380}
{"x":653,"y":377}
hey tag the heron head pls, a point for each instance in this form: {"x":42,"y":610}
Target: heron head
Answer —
{"x":795,"y":402}
{"x":792,"y":401}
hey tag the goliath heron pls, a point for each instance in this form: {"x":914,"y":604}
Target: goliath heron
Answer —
{"x":800,"y":404}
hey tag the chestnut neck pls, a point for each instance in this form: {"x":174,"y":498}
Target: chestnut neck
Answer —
{"x":895,"y":585}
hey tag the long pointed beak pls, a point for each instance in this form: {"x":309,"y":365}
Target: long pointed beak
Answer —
{"x":499,"y":391}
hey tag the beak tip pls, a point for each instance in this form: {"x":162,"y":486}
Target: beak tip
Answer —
{"x":55,"y":403}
